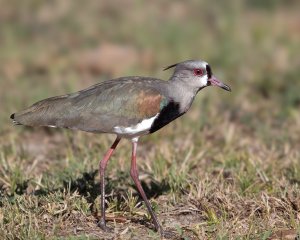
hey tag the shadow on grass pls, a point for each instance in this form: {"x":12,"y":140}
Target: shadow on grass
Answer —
{"x":116,"y":189}
{"x":88,"y":187}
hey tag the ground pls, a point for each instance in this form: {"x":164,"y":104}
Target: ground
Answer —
{"x":228,"y":169}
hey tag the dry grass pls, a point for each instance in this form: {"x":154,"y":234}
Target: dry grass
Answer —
{"x":228,"y":169}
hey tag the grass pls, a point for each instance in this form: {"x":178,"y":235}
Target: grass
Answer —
{"x":228,"y":169}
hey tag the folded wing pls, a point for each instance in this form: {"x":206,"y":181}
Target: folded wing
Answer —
{"x":121,"y":102}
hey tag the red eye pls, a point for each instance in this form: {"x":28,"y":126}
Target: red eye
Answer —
{"x":198,"y":72}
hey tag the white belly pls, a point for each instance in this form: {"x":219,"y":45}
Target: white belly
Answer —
{"x":137,"y":130}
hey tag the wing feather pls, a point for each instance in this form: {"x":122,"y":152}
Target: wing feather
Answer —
{"x":99,"y":108}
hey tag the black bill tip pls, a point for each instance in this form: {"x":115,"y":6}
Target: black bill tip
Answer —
{"x":226,"y":87}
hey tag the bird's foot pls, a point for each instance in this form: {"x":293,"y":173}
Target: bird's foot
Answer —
{"x":102,"y":225}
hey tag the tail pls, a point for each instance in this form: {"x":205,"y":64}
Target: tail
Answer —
{"x":15,"y":122}
{"x":48,"y":112}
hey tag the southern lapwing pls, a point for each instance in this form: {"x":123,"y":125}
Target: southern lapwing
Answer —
{"x":129,"y":107}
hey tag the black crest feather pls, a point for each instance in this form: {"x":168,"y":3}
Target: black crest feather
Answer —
{"x":174,"y":65}
{"x":171,"y":66}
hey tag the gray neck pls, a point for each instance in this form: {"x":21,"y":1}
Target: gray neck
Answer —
{"x":181,"y":93}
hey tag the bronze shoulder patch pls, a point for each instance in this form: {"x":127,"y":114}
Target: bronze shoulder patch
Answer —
{"x":149,"y":103}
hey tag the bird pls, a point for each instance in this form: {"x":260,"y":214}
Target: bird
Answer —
{"x":128,"y":107}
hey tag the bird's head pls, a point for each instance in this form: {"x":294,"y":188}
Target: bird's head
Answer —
{"x":197,"y":74}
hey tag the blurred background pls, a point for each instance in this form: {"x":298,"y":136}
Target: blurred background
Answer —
{"x":49,"y":48}
{"x":53,"y":47}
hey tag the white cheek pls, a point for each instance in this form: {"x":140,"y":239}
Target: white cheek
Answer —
{"x":203,"y":81}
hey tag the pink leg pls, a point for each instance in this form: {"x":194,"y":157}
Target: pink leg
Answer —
{"x":135,"y":176}
{"x":102,"y":167}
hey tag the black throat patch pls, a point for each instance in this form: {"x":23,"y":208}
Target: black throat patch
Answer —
{"x":209,"y":72}
{"x":169,"y":113}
